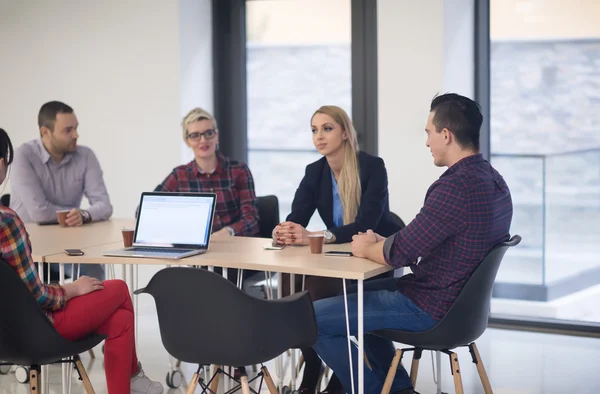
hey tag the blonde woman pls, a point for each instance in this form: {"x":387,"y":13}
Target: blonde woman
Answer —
{"x":236,"y":212}
{"x":349,"y":190}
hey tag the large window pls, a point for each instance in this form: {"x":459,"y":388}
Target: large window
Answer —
{"x":298,"y":58}
{"x":545,"y":140}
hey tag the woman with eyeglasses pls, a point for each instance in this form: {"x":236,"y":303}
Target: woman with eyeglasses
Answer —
{"x":211,"y":172}
{"x":236,"y":212}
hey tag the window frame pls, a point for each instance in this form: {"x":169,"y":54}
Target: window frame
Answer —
{"x":482,"y":96}
{"x":230,"y":76}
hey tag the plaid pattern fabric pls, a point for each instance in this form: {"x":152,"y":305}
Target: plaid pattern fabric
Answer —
{"x":467,"y":211}
{"x":234,"y":186}
{"x":16,"y":251}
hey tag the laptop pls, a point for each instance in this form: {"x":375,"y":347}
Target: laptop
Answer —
{"x":171,"y":226}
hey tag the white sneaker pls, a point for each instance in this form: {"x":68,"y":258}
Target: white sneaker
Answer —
{"x":141,"y":384}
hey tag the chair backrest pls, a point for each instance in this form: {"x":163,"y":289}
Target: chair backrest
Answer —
{"x":398,"y":220}
{"x":268,"y":215}
{"x":205,"y":319}
{"x":467,"y":318}
{"x":25,"y":331}
{"x":5,"y":200}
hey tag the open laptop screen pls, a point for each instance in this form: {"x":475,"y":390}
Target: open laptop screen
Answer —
{"x":175,"y":219}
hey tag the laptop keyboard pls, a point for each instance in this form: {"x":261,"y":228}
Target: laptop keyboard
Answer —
{"x":160,"y":250}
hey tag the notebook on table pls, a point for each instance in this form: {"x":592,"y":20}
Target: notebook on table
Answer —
{"x":171,"y":226}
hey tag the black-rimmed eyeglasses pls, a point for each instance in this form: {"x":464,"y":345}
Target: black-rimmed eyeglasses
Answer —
{"x":196,"y":135}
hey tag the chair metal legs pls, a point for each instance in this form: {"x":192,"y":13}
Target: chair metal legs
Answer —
{"x":211,"y":386}
{"x":487,"y":387}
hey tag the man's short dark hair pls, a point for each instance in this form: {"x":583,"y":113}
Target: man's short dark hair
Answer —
{"x":48,"y":112}
{"x":459,"y":114}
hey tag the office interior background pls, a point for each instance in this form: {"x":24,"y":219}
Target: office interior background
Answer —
{"x":132,"y":69}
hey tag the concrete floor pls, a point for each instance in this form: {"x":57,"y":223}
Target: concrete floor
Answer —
{"x":517,"y":362}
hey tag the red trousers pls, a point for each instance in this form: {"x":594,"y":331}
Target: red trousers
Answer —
{"x":108,"y":312}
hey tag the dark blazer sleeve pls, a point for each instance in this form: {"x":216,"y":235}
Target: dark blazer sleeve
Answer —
{"x":372,"y":202}
{"x":304,"y":203}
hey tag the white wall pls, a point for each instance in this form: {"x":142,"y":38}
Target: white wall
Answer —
{"x":195,"y":30}
{"x":459,"y":56}
{"x":118,"y":64}
{"x":424,"y":48}
{"x":131,"y":71}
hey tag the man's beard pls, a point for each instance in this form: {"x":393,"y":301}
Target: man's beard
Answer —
{"x":62,"y":148}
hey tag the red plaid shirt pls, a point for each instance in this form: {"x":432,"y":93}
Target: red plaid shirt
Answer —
{"x":15,"y":250}
{"x":234,"y":186}
{"x":466,"y":213}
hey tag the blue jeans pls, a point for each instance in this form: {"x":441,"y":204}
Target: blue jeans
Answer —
{"x":384,"y":308}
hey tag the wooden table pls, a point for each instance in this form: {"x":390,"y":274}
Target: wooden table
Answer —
{"x":248,"y":254}
{"x":52,"y":239}
{"x":235,"y":252}
{"x":49,"y":240}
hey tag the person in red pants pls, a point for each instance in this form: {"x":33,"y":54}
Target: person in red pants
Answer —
{"x":78,"y":309}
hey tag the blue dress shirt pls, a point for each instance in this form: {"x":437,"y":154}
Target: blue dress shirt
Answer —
{"x":338,"y":210}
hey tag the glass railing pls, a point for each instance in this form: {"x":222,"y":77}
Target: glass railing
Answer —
{"x":556,"y":199}
{"x":279,"y":172}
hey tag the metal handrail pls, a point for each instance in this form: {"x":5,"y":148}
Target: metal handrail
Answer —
{"x":544,"y":155}
{"x":519,"y":155}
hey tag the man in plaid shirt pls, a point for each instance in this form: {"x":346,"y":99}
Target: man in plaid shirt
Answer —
{"x":467,"y":211}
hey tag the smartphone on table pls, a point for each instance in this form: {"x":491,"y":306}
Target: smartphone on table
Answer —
{"x":74,"y":252}
{"x":338,"y":253}
{"x":274,"y":246}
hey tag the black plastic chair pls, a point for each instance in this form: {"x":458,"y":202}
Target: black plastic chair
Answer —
{"x":398,"y":220}
{"x":28,"y":338}
{"x":268,"y":215}
{"x":268,"y":219}
{"x":204,"y":319}
{"x":5,"y":200}
{"x":466,"y":320}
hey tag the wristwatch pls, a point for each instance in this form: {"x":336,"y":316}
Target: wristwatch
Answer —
{"x":329,"y":236}
{"x":85,"y":216}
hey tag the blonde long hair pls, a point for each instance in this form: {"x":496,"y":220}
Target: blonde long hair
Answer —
{"x":349,"y":187}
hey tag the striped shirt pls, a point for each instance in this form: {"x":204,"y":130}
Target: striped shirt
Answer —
{"x":467,"y":211}
{"x":16,"y":252}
